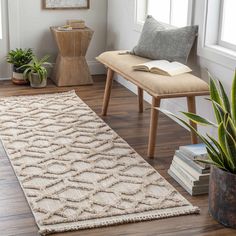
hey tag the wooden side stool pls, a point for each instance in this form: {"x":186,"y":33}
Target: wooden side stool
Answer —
{"x":71,"y":66}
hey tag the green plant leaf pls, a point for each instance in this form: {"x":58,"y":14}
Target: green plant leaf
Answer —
{"x":229,"y":125}
{"x":26,"y":73}
{"x":19,"y":57}
{"x":224,"y":159}
{"x":198,"y":119}
{"x":48,"y":64}
{"x":225,"y":100}
{"x":233,"y":100}
{"x":215,"y":96}
{"x":231,"y":149}
{"x":219,"y":111}
{"x":36,"y":67}
{"x":211,"y":162}
{"x":215,"y":158}
{"x":226,"y":145}
{"x":221,"y":136}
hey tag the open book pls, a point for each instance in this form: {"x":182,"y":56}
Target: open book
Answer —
{"x":163,"y":67}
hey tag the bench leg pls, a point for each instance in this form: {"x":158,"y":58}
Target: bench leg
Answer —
{"x":140,"y":100}
{"x":156,"y":102}
{"x":192,"y":108}
{"x":107,"y":94}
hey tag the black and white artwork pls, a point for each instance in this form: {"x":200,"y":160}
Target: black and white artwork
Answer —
{"x":66,"y":4}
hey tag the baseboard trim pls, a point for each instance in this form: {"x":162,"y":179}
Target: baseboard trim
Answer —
{"x":96,"y":68}
{"x":2,"y":79}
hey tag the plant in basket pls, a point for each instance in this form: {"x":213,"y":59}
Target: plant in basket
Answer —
{"x":18,"y":58}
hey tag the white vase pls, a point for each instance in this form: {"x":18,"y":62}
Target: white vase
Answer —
{"x":36,"y":83}
{"x":18,"y":78}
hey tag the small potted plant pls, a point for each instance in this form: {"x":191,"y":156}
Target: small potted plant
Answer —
{"x":18,"y":58}
{"x":221,"y":152}
{"x":36,"y":72}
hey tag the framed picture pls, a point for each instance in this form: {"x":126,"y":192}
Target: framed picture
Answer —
{"x":66,"y":4}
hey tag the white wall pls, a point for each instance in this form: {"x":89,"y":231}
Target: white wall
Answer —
{"x":29,"y":27}
{"x":121,"y":35}
{"x":4,"y":47}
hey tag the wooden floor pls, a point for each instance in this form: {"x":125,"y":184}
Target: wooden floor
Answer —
{"x":15,"y":216}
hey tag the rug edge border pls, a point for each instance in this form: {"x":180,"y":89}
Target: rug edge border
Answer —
{"x":141,"y":217}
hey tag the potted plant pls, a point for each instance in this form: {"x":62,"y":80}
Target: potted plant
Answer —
{"x":36,"y":72}
{"x":221,"y":152}
{"x":18,"y":58}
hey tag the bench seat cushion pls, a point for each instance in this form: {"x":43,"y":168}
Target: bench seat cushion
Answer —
{"x":156,"y":85}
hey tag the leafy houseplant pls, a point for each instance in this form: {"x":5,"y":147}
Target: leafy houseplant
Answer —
{"x":221,"y":152}
{"x":18,"y":58}
{"x":36,"y":72}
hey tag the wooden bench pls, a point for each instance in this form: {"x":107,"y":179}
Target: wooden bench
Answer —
{"x":158,"y":86}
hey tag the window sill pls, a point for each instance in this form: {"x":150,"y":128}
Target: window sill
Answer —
{"x":219,"y":54}
{"x":224,"y":51}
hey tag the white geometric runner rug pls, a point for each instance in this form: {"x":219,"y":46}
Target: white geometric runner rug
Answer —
{"x":75,"y":171}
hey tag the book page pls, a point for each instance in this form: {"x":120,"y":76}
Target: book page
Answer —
{"x":163,"y":67}
{"x":173,"y":68}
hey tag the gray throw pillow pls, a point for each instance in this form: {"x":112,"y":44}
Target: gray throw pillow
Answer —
{"x":160,"y":41}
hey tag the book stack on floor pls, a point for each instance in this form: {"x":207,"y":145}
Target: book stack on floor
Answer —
{"x":191,"y":175}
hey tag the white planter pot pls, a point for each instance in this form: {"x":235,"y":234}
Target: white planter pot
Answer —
{"x":18,"y":76}
{"x":36,"y":83}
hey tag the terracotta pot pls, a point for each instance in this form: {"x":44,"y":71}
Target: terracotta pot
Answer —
{"x":222,"y":197}
{"x":35,"y":81}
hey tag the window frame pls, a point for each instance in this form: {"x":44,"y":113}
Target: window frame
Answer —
{"x":221,"y":42}
{"x":190,"y":12}
{"x":208,"y":39}
{"x":138,"y":12}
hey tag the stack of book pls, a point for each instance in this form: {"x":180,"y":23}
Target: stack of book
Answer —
{"x":191,"y":175}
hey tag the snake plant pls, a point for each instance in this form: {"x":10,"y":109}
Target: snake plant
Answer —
{"x":221,"y":151}
{"x":36,"y":66}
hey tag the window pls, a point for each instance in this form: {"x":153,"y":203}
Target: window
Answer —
{"x":217,"y":32}
{"x":174,"y":12}
{"x":227,"y":34}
